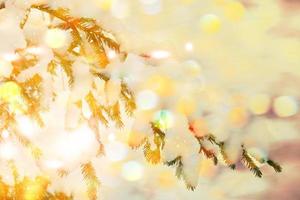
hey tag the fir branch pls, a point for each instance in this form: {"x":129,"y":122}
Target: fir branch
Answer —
{"x":91,"y":180}
{"x":159,"y":136}
{"x":275,"y":165}
{"x":128,"y":99}
{"x":173,"y":162}
{"x":25,"y":60}
{"x":90,"y":26}
{"x":95,"y":35}
{"x":76,"y":43}
{"x":152,"y":156}
{"x":212,"y":139}
{"x":35,"y":151}
{"x":93,"y":124}
{"x":115,"y":114}
{"x":62,"y":173}
{"x":157,"y":130}
{"x":31,"y":92}
{"x":179,"y":169}
{"x":97,"y":110}
{"x":66,"y":64}
{"x":6,"y":117}
{"x":225,"y":156}
{"x":110,"y":41}
{"x":52,"y":67}
{"x":96,"y":44}
{"x":189,"y":186}
{"x":103,"y":76}
{"x":177,"y":162}
{"x":208,"y":153}
{"x":249,"y":163}
{"x":25,"y":18}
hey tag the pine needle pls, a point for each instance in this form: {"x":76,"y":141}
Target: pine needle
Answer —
{"x":179,"y":169}
{"x":91,"y":180}
{"x":65,"y":64}
{"x":173,"y":162}
{"x":25,"y":60}
{"x":275,"y":165}
{"x":128,"y":99}
{"x":103,"y":76}
{"x":97,"y":110}
{"x":225,"y":156}
{"x":249,"y":163}
{"x":177,"y":162}
{"x":62,"y":173}
{"x":35,"y":151}
{"x":152,"y":156}
{"x":94,"y":34}
{"x":31,"y":89}
{"x":115,"y":115}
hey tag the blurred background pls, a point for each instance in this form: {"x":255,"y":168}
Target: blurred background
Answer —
{"x":247,"y":51}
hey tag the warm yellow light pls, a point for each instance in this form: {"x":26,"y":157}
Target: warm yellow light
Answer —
{"x":219,"y":2}
{"x":192,"y":67}
{"x":111,"y":54}
{"x":135,"y":139}
{"x":55,"y":38}
{"x":161,"y":85}
{"x":10,"y":91}
{"x":234,"y":10}
{"x":210,"y":23}
{"x":189,"y":46}
{"x":285,"y":106}
{"x":34,"y":189}
{"x":160,"y":54}
{"x":120,"y":9}
{"x":187,"y":1}
{"x":104,"y":4}
{"x":111,"y":137}
{"x":166,"y":179}
{"x":238,"y":116}
{"x":186,"y":105}
{"x":207,"y":168}
{"x":259,"y":104}
{"x":132,"y":171}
